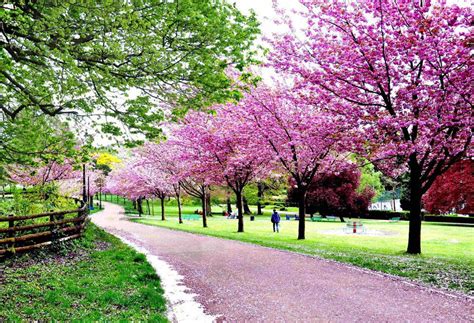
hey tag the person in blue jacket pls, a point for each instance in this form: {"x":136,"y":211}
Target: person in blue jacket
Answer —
{"x":276,"y":221}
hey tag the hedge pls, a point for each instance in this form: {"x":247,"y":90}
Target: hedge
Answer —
{"x":386,"y":215}
{"x":450,"y":219}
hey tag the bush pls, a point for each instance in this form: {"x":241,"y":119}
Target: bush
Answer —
{"x":385,"y":215}
{"x":448,"y":219}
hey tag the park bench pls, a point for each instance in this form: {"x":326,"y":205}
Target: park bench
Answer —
{"x":191,"y":217}
{"x":320,"y":218}
{"x":395,"y":219}
{"x":293,"y":215}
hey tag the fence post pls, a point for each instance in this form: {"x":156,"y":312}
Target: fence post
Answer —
{"x":11,"y":233}
{"x":52,"y":228}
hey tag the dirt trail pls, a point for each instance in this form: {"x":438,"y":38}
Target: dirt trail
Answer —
{"x":242,"y":282}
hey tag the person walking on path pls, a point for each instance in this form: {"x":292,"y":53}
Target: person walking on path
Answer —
{"x":276,"y":221}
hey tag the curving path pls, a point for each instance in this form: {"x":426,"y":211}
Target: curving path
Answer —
{"x":241,"y":282}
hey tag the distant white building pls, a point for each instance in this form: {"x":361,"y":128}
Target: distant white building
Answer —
{"x":389,"y":205}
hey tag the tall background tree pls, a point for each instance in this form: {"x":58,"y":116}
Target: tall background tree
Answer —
{"x":452,"y":191}
{"x":401,"y":71}
{"x":338,"y":192}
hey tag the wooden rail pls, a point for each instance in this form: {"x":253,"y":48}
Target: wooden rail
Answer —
{"x":20,"y":236}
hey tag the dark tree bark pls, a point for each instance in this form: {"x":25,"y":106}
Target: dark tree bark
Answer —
{"x":246,"y":206}
{"x":134,"y":203}
{"x":148,"y":206}
{"x":240,"y":216}
{"x":204,"y":209}
{"x":229,"y":206}
{"x":208,"y":201}
{"x":180,"y":216}
{"x":301,"y":196}
{"x":414,"y":231}
{"x":162,"y":204}
{"x":140,"y":206}
{"x":260,"y":196}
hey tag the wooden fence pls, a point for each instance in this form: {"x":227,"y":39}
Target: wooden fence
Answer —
{"x":22,"y":236}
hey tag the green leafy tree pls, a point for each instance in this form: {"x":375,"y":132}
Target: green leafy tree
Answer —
{"x":34,"y":138}
{"x":119,"y":59}
{"x":370,"y":178}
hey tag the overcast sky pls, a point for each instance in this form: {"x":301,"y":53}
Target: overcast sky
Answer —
{"x":266,"y":14}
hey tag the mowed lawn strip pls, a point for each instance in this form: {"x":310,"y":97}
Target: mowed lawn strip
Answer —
{"x":101,"y":279}
{"x":447,"y":259}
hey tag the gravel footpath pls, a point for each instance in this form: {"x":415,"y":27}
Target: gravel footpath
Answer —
{"x":239,"y":282}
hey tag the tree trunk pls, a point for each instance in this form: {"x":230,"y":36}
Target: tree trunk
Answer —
{"x":229,"y":206}
{"x":178,"y":199}
{"x":240,"y":215}
{"x":260,"y":196}
{"x":162,"y":201}
{"x":140,"y":206}
{"x":301,"y":215}
{"x":204,"y":208}
{"x":208,"y":201}
{"x":148,"y":206}
{"x":414,"y":231}
{"x":152,"y":208}
{"x":246,"y":206}
{"x":134,"y":203}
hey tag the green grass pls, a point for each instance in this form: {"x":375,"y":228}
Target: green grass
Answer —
{"x":188,"y":209}
{"x":100,"y":279}
{"x":447,"y":259}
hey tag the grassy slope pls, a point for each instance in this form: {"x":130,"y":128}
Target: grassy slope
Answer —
{"x":447,"y":259}
{"x":102,"y":279}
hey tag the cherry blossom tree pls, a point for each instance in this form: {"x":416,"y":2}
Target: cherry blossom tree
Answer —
{"x":166,"y":170}
{"x":400,"y":70}
{"x":298,"y":138}
{"x":137,"y":179}
{"x":216,"y":150}
{"x":28,"y":175}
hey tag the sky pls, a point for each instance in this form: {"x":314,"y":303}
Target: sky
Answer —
{"x":265,"y":12}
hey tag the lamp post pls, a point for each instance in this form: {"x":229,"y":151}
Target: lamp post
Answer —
{"x":100,"y":184}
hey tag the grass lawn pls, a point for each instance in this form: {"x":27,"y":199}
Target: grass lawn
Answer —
{"x":447,"y":260}
{"x":97,"y":278}
{"x":189,"y":209}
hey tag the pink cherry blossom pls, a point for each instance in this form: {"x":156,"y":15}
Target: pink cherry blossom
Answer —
{"x":400,"y":71}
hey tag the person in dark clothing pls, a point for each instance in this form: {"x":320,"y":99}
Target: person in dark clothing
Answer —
{"x":276,"y":221}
